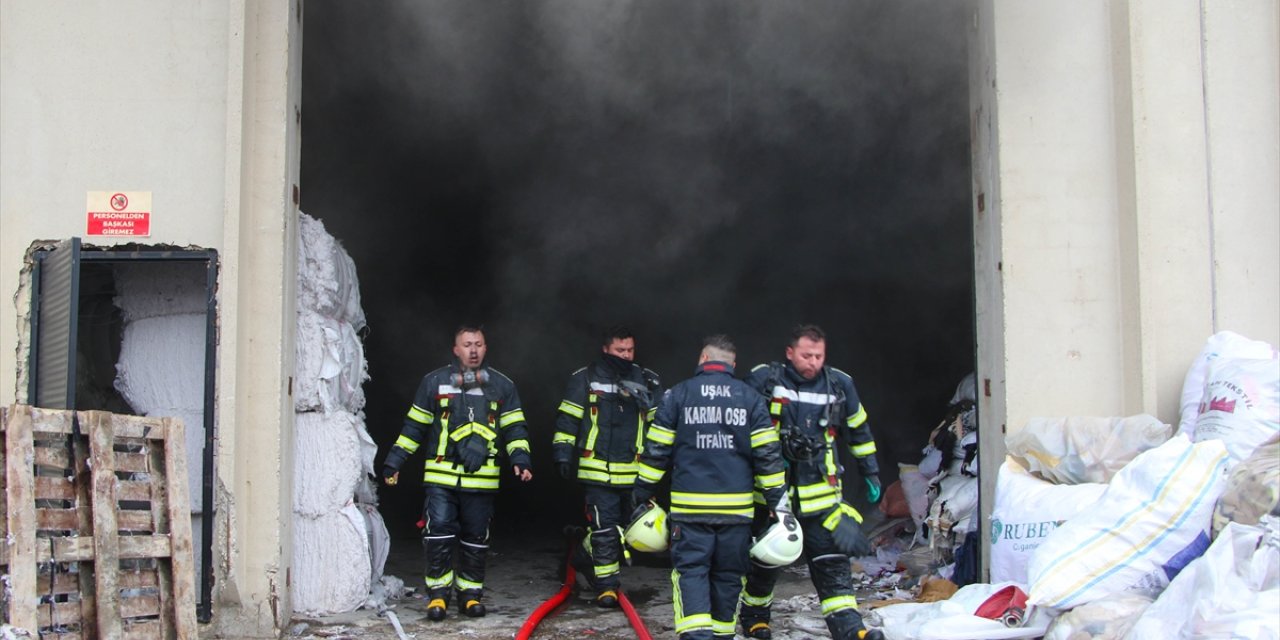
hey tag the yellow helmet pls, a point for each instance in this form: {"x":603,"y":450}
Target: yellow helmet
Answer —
{"x":648,"y":532}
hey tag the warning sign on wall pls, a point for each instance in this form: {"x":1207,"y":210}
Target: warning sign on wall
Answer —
{"x":119,"y":213}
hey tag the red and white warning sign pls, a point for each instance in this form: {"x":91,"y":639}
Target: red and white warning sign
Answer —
{"x":119,"y":213}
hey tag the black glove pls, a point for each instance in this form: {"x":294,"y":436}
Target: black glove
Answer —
{"x":387,"y":472}
{"x":641,"y":509}
{"x":848,"y":535}
{"x":565,"y":469}
{"x":641,"y":494}
{"x":472,"y":452}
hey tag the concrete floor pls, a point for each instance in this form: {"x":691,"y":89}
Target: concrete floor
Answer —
{"x":524,"y":571}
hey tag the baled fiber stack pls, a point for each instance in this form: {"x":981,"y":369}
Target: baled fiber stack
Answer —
{"x":331,"y":367}
{"x":330,"y":563}
{"x":159,"y":375}
{"x":327,"y":462}
{"x":327,"y":282}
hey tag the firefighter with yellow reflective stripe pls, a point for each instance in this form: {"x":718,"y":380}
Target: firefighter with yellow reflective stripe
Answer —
{"x":463,"y":417}
{"x":714,"y":434}
{"x":815,"y":408}
{"x":599,"y":434}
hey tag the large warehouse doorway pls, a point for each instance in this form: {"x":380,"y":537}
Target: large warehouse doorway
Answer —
{"x":549,"y":169}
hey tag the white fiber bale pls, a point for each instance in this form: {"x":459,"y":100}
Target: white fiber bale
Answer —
{"x":330,"y":563}
{"x":1224,"y":344}
{"x":1241,"y":405}
{"x":327,"y":462}
{"x":1027,"y":510}
{"x":155,"y":368}
{"x":159,"y":374}
{"x":330,"y":366}
{"x":327,"y":282}
{"x":1078,"y":450}
{"x":1152,"y":520}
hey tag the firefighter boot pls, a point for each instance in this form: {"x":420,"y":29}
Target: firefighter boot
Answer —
{"x":870,"y":634}
{"x":436,"y":609}
{"x":608,"y":599}
{"x":758,"y":630}
{"x":470,"y":605}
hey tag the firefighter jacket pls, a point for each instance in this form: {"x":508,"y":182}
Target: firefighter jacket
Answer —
{"x":450,"y":412}
{"x":812,"y":416}
{"x":602,"y":419}
{"x":714,"y":433}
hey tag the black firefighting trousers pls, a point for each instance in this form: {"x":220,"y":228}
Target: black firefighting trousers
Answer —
{"x":708,"y":563}
{"x":599,"y":557}
{"x":831,"y":575}
{"x":456,"y":519}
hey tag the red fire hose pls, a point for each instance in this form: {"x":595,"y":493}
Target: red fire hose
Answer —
{"x":555,"y":602}
{"x":637,"y":623}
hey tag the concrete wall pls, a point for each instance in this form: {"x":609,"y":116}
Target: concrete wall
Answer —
{"x":1126,"y":201}
{"x":198,"y":103}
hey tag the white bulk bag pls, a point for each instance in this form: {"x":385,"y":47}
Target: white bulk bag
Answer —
{"x":1224,"y":344}
{"x":1232,"y":591}
{"x":1152,"y":520}
{"x":1077,"y":450}
{"x":1027,"y":510}
{"x":1241,"y":404}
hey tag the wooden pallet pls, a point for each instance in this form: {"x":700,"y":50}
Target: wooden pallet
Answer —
{"x":98,"y":525}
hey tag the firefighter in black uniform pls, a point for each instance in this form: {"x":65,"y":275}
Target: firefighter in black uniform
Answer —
{"x":463,"y":414}
{"x":714,"y":432}
{"x":599,"y":434}
{"x":815,"y":407}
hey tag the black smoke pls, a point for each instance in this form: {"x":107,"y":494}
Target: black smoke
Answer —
{"x":552,"y":167}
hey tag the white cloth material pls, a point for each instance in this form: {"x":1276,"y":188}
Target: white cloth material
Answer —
{"x":330,"y":563}
{"x":160,"y":374}
{"x":953,"y":510}
{"x":379,"y":540}
{"x":1079,"y":450}
{"x":1152,"y":520}
{"x":915,"y":487}
{"x":1109,"y":619}
{"x":1027,"y":510}
{"x":327,"y":462}
{"x":1224,"y":344}
{"x":1232,"y":591}
{"x":330,"y":367}
{"x":920,"y":621}
{"x":327,"y":281}
{"x":340,"y":541}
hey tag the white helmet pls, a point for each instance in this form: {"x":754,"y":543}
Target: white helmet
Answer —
{"x":780,"y":544}
{"x":649,"y":531}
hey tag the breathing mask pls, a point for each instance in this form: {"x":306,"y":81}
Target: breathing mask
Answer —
{"x":469,"y":378}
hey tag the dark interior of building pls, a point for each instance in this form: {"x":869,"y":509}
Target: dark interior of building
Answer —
{"x":685,"y":168}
